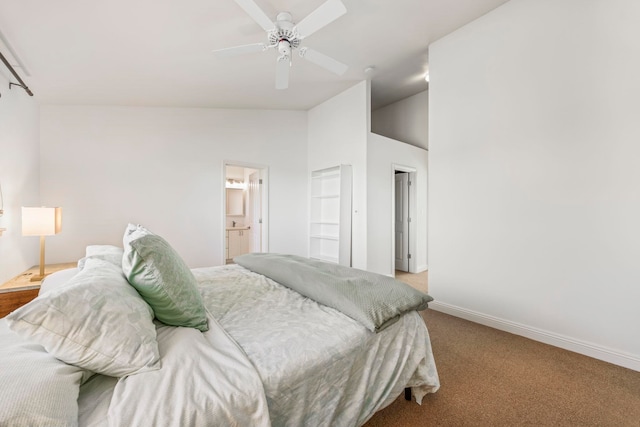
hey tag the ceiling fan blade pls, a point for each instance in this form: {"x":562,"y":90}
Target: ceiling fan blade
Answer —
{"x":239,"y":50}
{"x":324,"y":15}
{"x":324,"y":61}
{"x":282,"y":73}
{"x":258,"y":15}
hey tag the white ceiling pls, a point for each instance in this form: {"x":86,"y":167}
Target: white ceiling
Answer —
{"x":158,"y":52}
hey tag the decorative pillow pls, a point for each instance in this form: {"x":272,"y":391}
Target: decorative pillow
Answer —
{"x":37,"y":389}
{"x":110,"y":253}
{"x":97,"y":321}
{"x":158,"y":273}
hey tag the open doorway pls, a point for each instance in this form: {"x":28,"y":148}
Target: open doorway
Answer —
{"x":404,"y":229}
{"x":245,"y":207}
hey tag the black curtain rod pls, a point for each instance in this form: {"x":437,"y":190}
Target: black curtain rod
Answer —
{"x":22,"y":83}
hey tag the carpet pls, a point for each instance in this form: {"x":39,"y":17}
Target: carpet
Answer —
{"x":494,"y":378}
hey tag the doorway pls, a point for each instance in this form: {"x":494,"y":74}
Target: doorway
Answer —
{"x":245,"y":209}
{"x":402,"y":224}
{"x":404,"y":229}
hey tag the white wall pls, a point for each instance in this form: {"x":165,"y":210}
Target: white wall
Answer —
{"x":406,"y":120}
{"x":338,"y":130}
{"x":534,"y":154}
{"x":19,"y":171}
{"x":382,"y":154}
{"x":162,"y":167}
{"x":339,"y":134}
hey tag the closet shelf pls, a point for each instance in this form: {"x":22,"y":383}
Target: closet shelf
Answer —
{"x":325,"y":236}
{"x":326,"y":196}
{"x":322,"y":257}
{"x":326,"y":175}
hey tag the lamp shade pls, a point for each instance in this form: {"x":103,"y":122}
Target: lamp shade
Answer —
{"x":41,"y":221}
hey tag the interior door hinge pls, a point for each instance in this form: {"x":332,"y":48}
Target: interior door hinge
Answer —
{"x":409,"y":256}
{"x":408,"y":219}
{"x":260,"y":181}
{"x":409,"y":183}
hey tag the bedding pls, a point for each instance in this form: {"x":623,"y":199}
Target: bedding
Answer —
{"x":96,"y":321}
{"x":206,"y":380}
{"x":316,"y":363}
{"x":317,"y":366}
{"x":37,"y":389}
{"x":162,"y":278}
{"x":109,"y":253}
{"x":374,"y":300}
{"x":57,"y":279}
{"x":270,"y":356}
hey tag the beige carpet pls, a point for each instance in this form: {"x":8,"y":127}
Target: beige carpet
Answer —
{"x":493,"y":378}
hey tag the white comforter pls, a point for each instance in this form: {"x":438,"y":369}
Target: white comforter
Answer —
{"x":205,"y":380}
{"x":316,"y":363}
{"x":316,"y":366}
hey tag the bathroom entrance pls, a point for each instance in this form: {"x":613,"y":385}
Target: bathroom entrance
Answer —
{"x":245,"y":208}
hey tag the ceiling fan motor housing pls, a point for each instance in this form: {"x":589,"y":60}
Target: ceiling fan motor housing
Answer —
{"x":284,"y":35}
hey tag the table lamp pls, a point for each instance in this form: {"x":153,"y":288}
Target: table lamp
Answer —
{"x":41,"y":222}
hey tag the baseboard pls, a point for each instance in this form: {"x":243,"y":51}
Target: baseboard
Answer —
{"x":422,"y":268}
{"x":551,"y":338}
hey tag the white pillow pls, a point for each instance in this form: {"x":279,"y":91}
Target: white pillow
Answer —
{"x":57,"y":279}
{"x":37,"y":389}
{"x":96,"y":321}
{"x":110,"y":253}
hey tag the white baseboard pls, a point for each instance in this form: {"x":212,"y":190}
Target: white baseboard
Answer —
{"x":422,"y":268}
{"x":551,"y":338}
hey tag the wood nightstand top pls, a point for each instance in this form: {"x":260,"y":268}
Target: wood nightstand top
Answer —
{"x":22,"y":281}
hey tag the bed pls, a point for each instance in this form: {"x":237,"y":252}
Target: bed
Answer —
{"x":266,"y":354}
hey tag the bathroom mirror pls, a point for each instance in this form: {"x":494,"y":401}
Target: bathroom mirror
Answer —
{"x":235,"y":202}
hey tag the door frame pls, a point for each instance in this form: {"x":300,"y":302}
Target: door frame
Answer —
{"x":413,"y":211}
{"x":250,"y":208}
{"x":264,"y":176}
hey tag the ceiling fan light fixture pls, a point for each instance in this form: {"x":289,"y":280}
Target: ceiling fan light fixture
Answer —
{"x":284,"y":47}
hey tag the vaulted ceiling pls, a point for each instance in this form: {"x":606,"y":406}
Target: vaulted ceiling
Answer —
{"x":158,"y":52}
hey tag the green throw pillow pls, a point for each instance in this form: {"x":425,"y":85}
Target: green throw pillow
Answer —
{"x":162,"y":278}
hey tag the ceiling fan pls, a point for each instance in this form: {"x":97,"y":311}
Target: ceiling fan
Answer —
{"x":285,"y":36}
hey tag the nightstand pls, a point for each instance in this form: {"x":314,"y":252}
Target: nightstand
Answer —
{"x":20,"y":290}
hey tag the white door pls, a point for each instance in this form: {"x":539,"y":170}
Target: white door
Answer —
{"x":255,"y":212}
{"x":402,"y":221}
